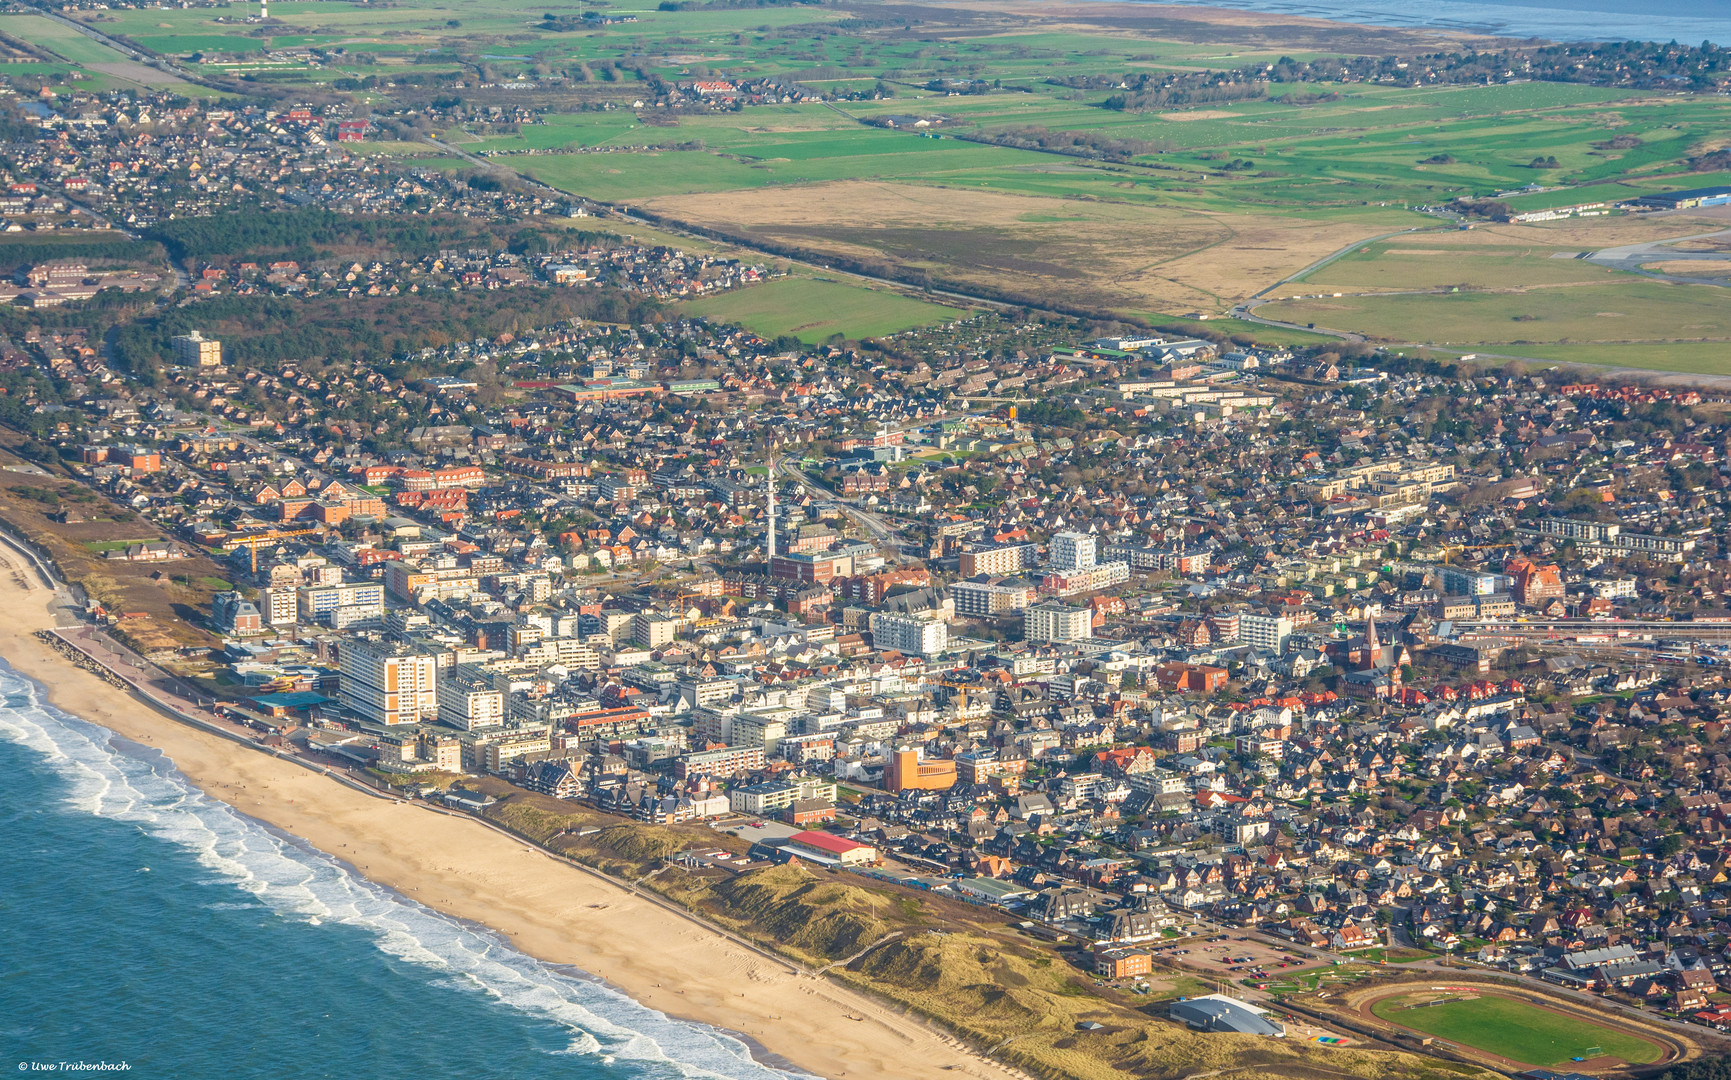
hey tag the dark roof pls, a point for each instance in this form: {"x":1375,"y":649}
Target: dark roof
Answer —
{"x":304,"y":699}
{"x":1218,"y":1013}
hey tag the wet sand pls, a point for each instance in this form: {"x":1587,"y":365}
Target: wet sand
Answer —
{"x":547,"y":908}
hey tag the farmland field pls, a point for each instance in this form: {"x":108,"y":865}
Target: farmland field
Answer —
{"x":59,"y":39}
{"x":1095,"y":252}
{"x":813,"y":309}
{"x":1191,"y":211}
{"x":1517,"y":1030}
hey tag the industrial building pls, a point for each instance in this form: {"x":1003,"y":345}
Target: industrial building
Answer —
{"x":1691,"y":199}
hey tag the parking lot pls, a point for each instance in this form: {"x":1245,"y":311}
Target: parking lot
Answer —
{"x":755,"y":829}
{"x":1230,"y":956}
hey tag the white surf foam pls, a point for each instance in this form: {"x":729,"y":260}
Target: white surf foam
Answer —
{"x":112,"y":778}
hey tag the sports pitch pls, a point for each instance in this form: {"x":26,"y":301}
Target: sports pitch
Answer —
{"x":1516,"y":1030}
{"x":812,"y":310}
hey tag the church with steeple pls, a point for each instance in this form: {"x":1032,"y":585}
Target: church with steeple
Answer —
{"x":1372,"y":666}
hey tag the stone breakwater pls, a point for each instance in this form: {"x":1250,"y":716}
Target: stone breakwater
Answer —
{"x":73,"y":656}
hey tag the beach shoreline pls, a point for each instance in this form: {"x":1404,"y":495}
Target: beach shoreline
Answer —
{"x":542,"y":906}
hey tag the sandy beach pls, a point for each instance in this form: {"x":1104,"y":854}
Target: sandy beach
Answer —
{"x":548,"y":909}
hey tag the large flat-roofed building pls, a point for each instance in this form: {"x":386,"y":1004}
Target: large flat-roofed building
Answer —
{"x":1073,"y":551}
{"x":279,"y":606}
{"x":904,"y":771}
{"x":1217,"y":1012}
{"x":993,"y":596}
{"x":386,"y":682}
{"x":723,"y":761}
{"x":196,"y":350}
{"x":1457,"y":581}
{"x":773,"y":796}
{"x":1266,"y":632}
{"x":1608,"y":538}
{"x":922,"y":635}
{"x":1053,"y":621}
{"x":816,"y":567}
{"x":1689,"y":199}
{"x":998,"y":560}
{"x":468,"y":699}
{"x":1122,"y":963}
{"x":342,"y":604}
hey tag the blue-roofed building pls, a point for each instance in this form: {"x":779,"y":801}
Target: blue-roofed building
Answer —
{"x":283,"y":704}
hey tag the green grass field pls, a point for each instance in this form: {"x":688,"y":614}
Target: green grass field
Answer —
{"x":1517,"y":1030}
{"x":1423,"y":262}
{"x":812,"y":310}
{"x":1623,"y":312}
{"x":1696,"y":358}
{"x":59,"y":39}
{"x":1268,"y":335}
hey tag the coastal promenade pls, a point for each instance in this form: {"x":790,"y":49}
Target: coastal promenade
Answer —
{"x":172,"y":697}
{"x":455,"y":864}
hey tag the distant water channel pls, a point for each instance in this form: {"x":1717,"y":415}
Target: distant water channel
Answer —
{"x":1688,"y":21}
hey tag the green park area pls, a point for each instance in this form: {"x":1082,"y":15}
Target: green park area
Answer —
{"x":814,"y":309}
{"x":1516,"y":1030}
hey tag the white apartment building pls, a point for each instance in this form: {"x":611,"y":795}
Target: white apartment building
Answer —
{"x":1265,"y":632}
{"x":921,"y":634}
{"x":755,"y":729}
{"x":1053,"y":621}
{"x":773,"y":796}
{"x":652,"y":631}
{"x":197,"y":351}
{"x":386,"y":682}
{"x":468,"y":699}
{"x":1073,"y":551}
{"x":341,"y":604}
{"x":279,"y":606}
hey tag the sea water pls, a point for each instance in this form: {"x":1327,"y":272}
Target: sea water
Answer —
{"x":1688,"y":21}
{"x":145,"y":924}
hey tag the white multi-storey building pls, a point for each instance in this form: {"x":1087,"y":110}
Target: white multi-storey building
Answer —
{"x":468,"y":699}
{"x":1265,"y":632}
{"x":1053,"y":621}
{"x":197,"y":351}
{"x":920,"y":634}
{"x":984,"y":599}
{"x":386,"y":682}
{"x":1073,"y":551}
{"x":278,"y":606}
